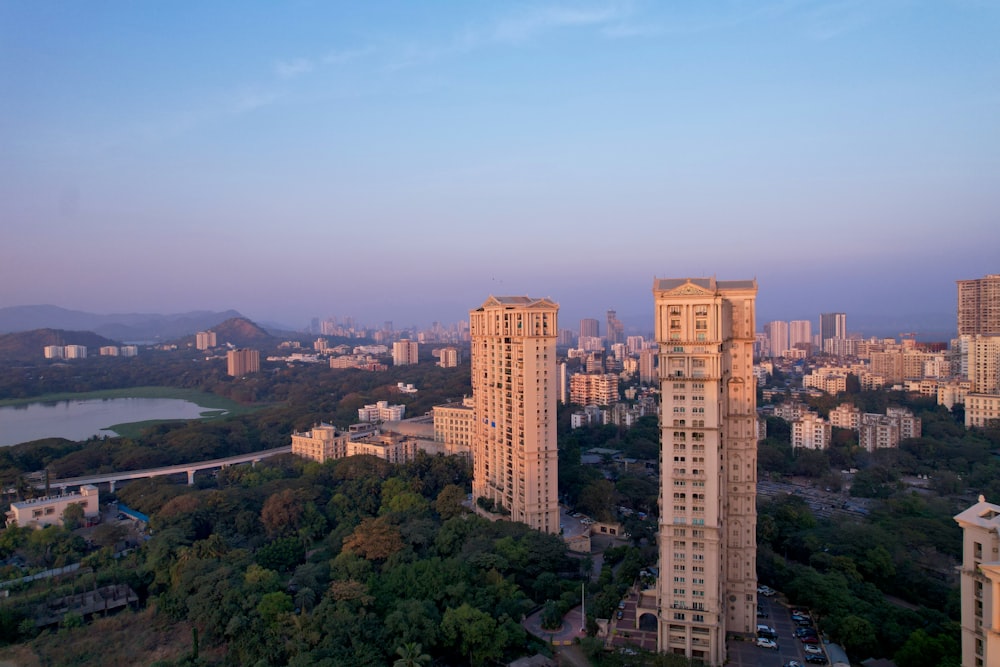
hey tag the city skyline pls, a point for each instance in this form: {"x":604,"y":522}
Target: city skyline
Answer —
{"x":395,"y":160}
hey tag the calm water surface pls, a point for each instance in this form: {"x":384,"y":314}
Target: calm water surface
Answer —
{"x":78,"y":420}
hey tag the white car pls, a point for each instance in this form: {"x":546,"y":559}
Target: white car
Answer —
{"x":766,"y":591}
{"x":812,"y":648}
{"x":764,"y":642}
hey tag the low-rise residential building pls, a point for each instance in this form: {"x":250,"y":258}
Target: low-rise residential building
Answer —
{"x":953,"y":391}
{"x":883,"y":431}
{"x":591,"y":415}
{"x":364,"y":362}
{"x":323,"y":443}
{"x":828,"y":380}
{"x":453,"y":426}
{"x":790,"y":411}
{"x":391,"y":447}
{"x":982,"y":409}
{"x":381,"y":412}
{"x":48,"y":510}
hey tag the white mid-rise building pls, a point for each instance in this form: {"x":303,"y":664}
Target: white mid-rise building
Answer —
{"x":405,"y":352}
{"x":846,"y":415}
{"x":811,"y":432}
{"x":75,"y":351}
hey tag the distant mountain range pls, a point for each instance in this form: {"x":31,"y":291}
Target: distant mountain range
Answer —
{"x":29,"y":345}
{"x":240,"y":332}
{"x":126,"y":327}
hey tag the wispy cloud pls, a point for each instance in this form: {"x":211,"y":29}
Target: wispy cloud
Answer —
{"x":832,"y":19}
{"x":511,"y":29}
{"x":522,"y":27}
{"x":249,"y":99}
{"x":346,"y":56}
{"x":289,"y":69}
{"x":627,"y":30}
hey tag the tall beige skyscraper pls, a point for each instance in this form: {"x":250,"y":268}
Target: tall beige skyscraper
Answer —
{"x":980,"y":584}
{"x":708,"y":576}
{"x":514,"y":389}
{"x":979,"y":306}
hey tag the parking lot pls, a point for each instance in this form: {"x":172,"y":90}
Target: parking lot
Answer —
{"x":747,"y":654}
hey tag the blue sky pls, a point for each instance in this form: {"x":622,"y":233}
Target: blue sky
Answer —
{"x":401,"y":160}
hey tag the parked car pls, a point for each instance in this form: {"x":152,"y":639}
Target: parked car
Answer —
{"x":792,"y":663}
{"x":621,"y":605}
{"x":766,"y":591}
{"x":766,"y":631}
{"x":805,"y":632}
{"x":816,"y":659}
{"x":810,"y":639}
{"x":764,"y":642}
{"x":813,"y":649}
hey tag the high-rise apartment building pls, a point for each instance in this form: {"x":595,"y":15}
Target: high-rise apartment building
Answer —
{"x":405,"y":352}
{"x":204,"y":340}
{"x":777,"y":337}
{"x":708,"y":517}
{"x":832,"y":326}
{"x":590,"y":328}
{"x":514,"y":388}
{"x":449,"y":357}
{"x":980,"y":584}
{"x":616,"y":330}
{"x":979,"y":306}
{"x":648,"y":369}
{"x":800,"y":334}
{"x":242,"y":362}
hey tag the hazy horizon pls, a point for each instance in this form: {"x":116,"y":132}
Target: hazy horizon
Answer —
{"x":405,"y":161}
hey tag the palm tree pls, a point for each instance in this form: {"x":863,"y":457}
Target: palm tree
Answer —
{"x":410,"y":656}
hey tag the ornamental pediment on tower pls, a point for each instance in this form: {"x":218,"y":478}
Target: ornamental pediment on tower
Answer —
{"x":519,"y":302}
{"x":685,"y":286}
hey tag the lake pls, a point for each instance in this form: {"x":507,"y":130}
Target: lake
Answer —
{"x":80,"y":419}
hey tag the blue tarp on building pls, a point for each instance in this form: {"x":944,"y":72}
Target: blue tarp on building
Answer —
{"x":132,"y":513}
